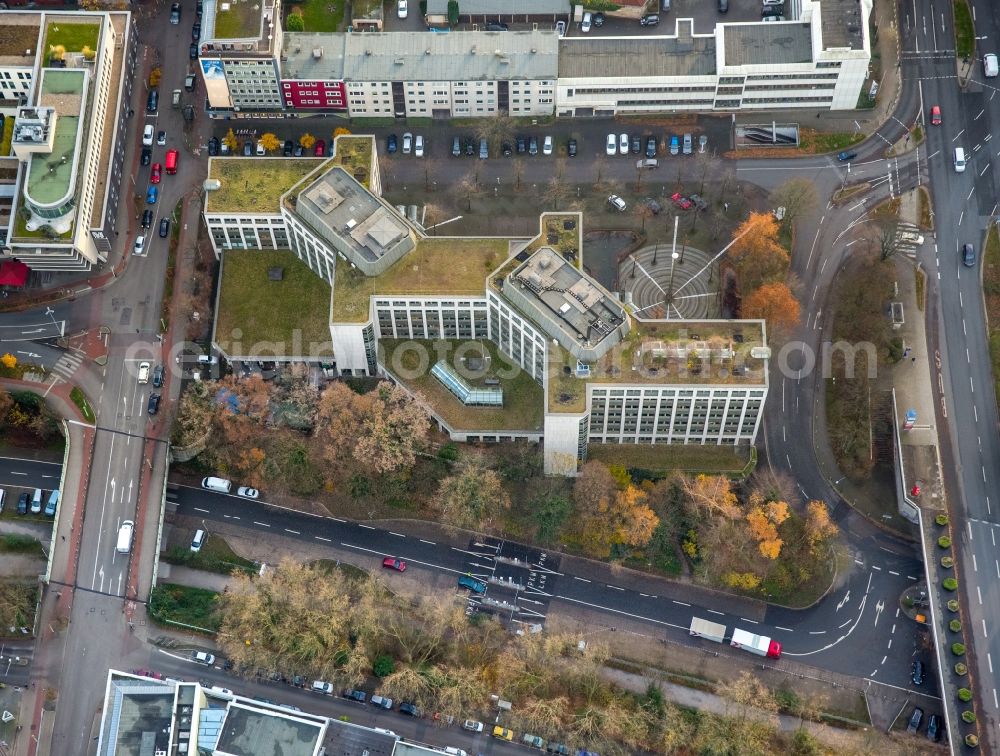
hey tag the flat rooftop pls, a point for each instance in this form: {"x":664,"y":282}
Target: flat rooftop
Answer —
{"x":255,"y":185}
{"x":442,"y":267}
{"x":346,"y":739}
{"x":419,"y":56}
{"x":233,"y":19}
{"x":502,"y":7}
{"x":313,"y":56}
{"x":143,"y":714}
{"x":842,"y":24}
{"x":50,"y":176}
{"x":634,"y":57}
{"x":248,"y":731}
{"x":523,"y":399}
{"x":18,"y":35}
{"x":558,"y":294}
{"x":663,"y":352}
{"x":338,"y":208}
{"x":768,"y":44}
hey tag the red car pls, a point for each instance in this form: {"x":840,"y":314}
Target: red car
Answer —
{"x":394,"y":564}
{"x":936,"y":115}
{"x":320,"y":149}
{"x":681,"y":201}
{"x":154,"y":177}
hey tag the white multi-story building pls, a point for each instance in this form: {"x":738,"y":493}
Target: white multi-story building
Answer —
{"x":70,"y":118}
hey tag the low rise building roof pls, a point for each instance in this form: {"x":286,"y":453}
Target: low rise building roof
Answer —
{"x":248,"y":731}
{"x":760,"y":44}
{"x":313,"y":57}
{"x":419,"y":56}
{"x":634,"y":57}
{"x":842,"y":23}
{"x":498,"y":8}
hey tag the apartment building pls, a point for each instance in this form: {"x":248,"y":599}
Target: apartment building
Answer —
{"x":70,"y":121}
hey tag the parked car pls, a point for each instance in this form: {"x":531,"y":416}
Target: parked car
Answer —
{"x":299,"y":151}
{"x":571,"y":148}
{"x":585,"y":24}
{"x":917,"y":673}
{"x":353,"y":694}
{"x":472,"y":725}
{"x":623,"y":144}
{"x":321,"y":686}
{"x":846,"y":155}
{"x":164,"y":228}
{"x":502,"y":733}
{"x":617,"y":203}
{"x":151,"y":195}
{"x":484,"y":149}
{"x":675,"y":145}
{"x":469,"y":146}
{"x":288,"y":148}
{"x":598,"y":19}
{"x":409,"y":709}
{"x":147,"y":154}
{"x":193,"y":51}
{"x":651,"y":146}
{"x":547,"y":146}
{"x":521,"y":144}
{"x":681,"y":201}
{"x":650,"y":19}
{"x":196,"y":32}
{"x":505,"y":148}
{"x":147,"y":137}
{"x":934,"y":728}
{"x":390,"y":144}
{"x":155,"y":173}
{"x":935,"y":121}
{"x":533,"y":741}
{"x":533,"y":145}
{"x":467,"y":581}
{"x":401,"y":8}
{"x":142,"y":375}
{"x":699,"y":202}
{"x":158,"y":376}
{"x":22,"y":503}
{"x":496,"y":26}
{"x":612,"y":147}
{"x":418,"y":146}
{"x":161,"y":138}
{"x":654,"y":207}
{"x":394,"y":564}
{"x":915,"y":718}
{"x":560,"y":749}
{"x":702,"y":143}
{"x":688,"y":144}
{"x":213,"y":146}
{"x":147,"y":218}
{"x":175,"y":14}
{"x":203,"y":657}
{"x":247,"y":492}
{"x":636,"y":144}
{"x":381,"y":701}
{"x":154,"y":404}
{"x":139,"y":245}
{"x":561,"y":28}
{"x":319,"y":149}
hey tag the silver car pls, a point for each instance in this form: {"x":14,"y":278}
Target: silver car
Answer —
{"x":687,"y":144}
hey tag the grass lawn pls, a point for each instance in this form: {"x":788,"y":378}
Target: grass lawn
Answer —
{"x":965,"y":30}
{"x":184,"y":604}
{"x":991,"y":292}
{"x":436,"y":266}
{"x":522,"y":396}
{"x":354,"y":154}
{"x":819,"y":141}
{"x":215,"y":556}
{"x":74,"y":37}
{"x":13,"y":543}
{"x":668,"y":457}
{"x":81,"y":401}
{"x":321,"y":15}
{"x":241,"y":21}
{"x":292,"y":313}
{"x":21,"y":231}
{"x":254,"y":185}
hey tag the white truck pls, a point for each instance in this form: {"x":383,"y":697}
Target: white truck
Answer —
{"x":756,"y":644}
{"x":712,"y":631}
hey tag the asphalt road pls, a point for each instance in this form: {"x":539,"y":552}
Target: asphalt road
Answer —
{"x":855,"y":631}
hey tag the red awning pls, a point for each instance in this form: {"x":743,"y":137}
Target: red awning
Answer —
{"x":13,"y":273}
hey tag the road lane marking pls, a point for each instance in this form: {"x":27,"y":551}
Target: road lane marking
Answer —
{"x":18,"y":473}
{"x":398,"y":535}
{"x":582,"y":580}
{"x":876,"y":567}
{"x":321,"y":538}
{"x":337,"y":519}
{"x":744,"y":619}
{"x":846,"y":623}
{"x":820,"y":632}
{"x":366,"y":527}
{"x":883,"y":660}
{"x":424,"y":540}
{"x":985,"y":635}
{"x":680,"y":603}
{"x":721,"y":614}
{"x":619,"y":611}
{"x":989,"y":659}
{"x":979,"y":595}
{"x":995,"y":703}
{"x":262,"y":524}
{"x":406,"y":559}
{"x":293,"y":532}
{"x":975,"y":567}
{"x":893,"y":572}
{"x":615,"y":587}
{"x":199,"y":509}
{"x":786,"y":629}
{"x":646,"y":595}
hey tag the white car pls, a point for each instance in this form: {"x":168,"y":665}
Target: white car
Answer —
{"x":588,"y":19}
{"x":418,"y":146}
{"x":260,"y":148}
{"x":407,"y":143}
{"x":612,"y":145}
{"x":319,"y":686}
{"x":547,"y":146}
{"x":401,"y":9}
{"x":140,"y":242}
{"x":617,"y":203}
{"x":248,"y":493}
{"x":161,"y":138}
{"x":472,"y":725}
{"x":203,"y":657}
{"x":381,"y":701}
{"x":147,"y":135}
{"x":623,"y":144}
{"x":143,"y":375}
{"x":561,"y":28}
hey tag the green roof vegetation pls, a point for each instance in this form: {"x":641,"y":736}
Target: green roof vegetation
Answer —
{"x":16,"y":38}
{"x":255,"y":185}
{"x":436,"y":266}
{"x":522,"y":409}
{"x":7,"y":137}
{"x":354,"y":155}
{"x":658,"y":352}
{"x":254,"y":310}
{"x":241,"y":21}
{"x":73,"y":37}
{"x":44,"y":233}
{"x":561,"y":232}
{"x":319,"y":15}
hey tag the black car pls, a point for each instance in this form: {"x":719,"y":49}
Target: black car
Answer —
{"x":355,"y":695}
{"x":496,"y":26}
{"x":193,"y":51}
{"x":934,"y":728}
{"x":158,"y":381}
{"x":636,"y":144}
{"x":470,"y":147}
{"x":247,"y":148}
{"x":533,"y":146}
{"x":571,"y":148}
{"x":505,"y":149}
{"x":196,"y":31}
{"x":147,"y":155}
{"x":147,"y":219}
{"x":391,"y":143}
{"x":175,"y":13}
{"x":152,"y":101}
{"x":164,"y":227}
{"x":406,"y":708}
{"x":154,"y":404}
{"x":598,"y":19}
{"x":22,"y":504}
{"x":288,"y":148}
{"x":915,"y":719}
{"x":917,"y":674}
{"x":213,"y":146}
{"x":198,"y":11}
{"x":520,"y":144}
{"x":651,"y":147}
{"x":968,"y":255}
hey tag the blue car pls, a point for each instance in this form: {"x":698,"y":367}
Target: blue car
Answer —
{"x":151,"y":195}
{"x":846,"y":155}
{"x":476,"y":586}
{"x":391,"y":144}
{"x":675,"y":145}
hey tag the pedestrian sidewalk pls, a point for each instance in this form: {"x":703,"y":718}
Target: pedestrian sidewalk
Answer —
{"x":177,"y":573}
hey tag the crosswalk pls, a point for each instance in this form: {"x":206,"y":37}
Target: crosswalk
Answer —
{"x":67,"y":364}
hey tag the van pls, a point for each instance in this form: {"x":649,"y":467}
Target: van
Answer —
{"x":51,"y":504}
{"x":124,"y":545}
{"x":990,"y":66}
{"x":959,"y":160}
{"x":198,"y":541}
{"x":649,"y":163}
{"x":216,"y":484}
{"x":189,"y":82}
{"x":176,"y":101}
{"x":170,"y":164}
{"x":36,"y":502}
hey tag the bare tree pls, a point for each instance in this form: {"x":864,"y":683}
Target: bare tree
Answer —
{"x":495,"y":130}
{"x":518,"y":173}
{"x":644,"y":212}
{"x":886,"y":237}
{"x":798,"y":196}
{"x":555,"y":191}
{"x":703,"y":161}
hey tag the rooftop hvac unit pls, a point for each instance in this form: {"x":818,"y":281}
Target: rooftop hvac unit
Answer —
{"x":317,"y":53}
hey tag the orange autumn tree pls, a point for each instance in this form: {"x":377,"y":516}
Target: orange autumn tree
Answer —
{"x":610,"y":515}
{"x":764,"y":519}
{"x":756,"y":254}
{"x":774,"y":303}
{"x":820,"y":527}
